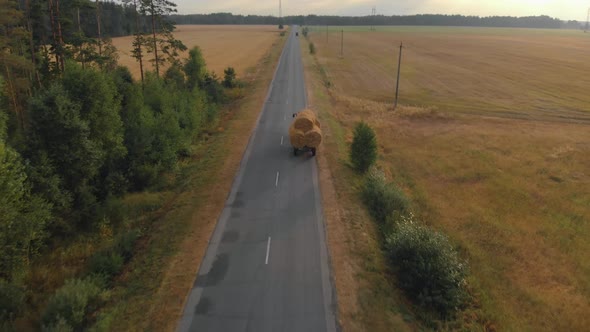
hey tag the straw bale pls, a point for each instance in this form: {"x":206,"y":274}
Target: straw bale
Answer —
{"x":313,"y":137}
{"x":305,"y":120}
{"x":297,"y":137}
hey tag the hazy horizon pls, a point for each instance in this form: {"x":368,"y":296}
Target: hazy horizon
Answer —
{"x":565,"y":10}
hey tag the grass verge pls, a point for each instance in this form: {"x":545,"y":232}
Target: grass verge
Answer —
{"x":367,"y":300}
{"x":158,"y":281}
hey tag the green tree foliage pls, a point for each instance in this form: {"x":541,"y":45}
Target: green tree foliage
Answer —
{"x":12,"y":301}
{"x":162,"y":38}
{"x":311,"y":48}
{"x":14,"y":65}
{"x":229,"y":77}
{"x":108,"y":262}
{"x":70,"y":304}
{"x":428,"y":267}
{"x":140,"y":126}
{"x":62,"y":147}
{"x":22,"y":216}
{"x":174,"y":78}
{"x":195,"y":68}
{"x":305,"y":31}
{"x":97,"y":95}
{"x":383,"y":199}
{"x":363,"y":151}
{"x":3,"y":114}
{"x":214,"y":89}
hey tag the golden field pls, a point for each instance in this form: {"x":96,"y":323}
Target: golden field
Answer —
{"x":223,"y":46}
{"x":491,"y":141}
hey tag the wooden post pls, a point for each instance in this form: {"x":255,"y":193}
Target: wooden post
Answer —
{"x":399,"y":65}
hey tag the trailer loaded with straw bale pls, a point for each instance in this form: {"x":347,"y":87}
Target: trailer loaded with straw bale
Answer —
{"x":305,"y":132}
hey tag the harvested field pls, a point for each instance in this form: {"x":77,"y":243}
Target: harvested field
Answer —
{"x":520,"y":73}
{"x":491,"y":142}
{"x":223,"y":46}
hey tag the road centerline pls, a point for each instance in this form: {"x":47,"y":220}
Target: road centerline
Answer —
{"x":267,"y":251}
{"x":277,"y":180}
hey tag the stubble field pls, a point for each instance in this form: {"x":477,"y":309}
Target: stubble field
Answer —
{"x":240,"y":47}
{"x":492,"y":143}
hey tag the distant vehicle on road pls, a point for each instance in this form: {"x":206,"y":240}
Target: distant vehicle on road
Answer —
{"x":297,"y":34}
{"x":305,"y":133}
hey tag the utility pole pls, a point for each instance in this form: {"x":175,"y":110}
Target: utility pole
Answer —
{"x":281,"y":14}
{"x":587,"y":21}
{"x":399,"y":66}
{"x":373,"y":13}
{"x":342,"y":45}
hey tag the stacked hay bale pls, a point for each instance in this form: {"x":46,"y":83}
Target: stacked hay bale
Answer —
{"x":305,"y":130}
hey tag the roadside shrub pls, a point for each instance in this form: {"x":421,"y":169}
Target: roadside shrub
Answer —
{"x":109,"y":262}
{"x":363,"y":151}
{"x":60,"y":326}
{"x":383,"y":199}
{"x":304,"y":31}
{"x":70,"y":304}
{"x":428,"y":268}
{"x":106,"y":263}
{"x":214,"y":88}
{"x":229,"y":78}
{"x":311,"y":48}
{"x":125,"y":243}
{"x":12,"y":300}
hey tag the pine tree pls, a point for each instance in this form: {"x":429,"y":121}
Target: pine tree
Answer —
{"x":162,"y":32}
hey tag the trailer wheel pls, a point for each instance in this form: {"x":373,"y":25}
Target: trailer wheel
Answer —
{"x":313,"y":151}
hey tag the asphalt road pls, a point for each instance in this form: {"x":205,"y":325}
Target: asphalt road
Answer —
{"x":266,"y":267}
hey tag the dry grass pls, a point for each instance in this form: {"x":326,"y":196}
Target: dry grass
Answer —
{"x":492,"y":142}
{"x":223,"y":46}
{"x":500,"y":72}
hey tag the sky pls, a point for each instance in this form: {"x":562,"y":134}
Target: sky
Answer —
{"x":563,"y":9}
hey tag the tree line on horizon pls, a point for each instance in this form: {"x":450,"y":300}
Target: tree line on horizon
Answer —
{"x":119,"y":18}
{"x":543,"y":22}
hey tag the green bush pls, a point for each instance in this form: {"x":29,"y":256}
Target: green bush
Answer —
{"x":363,"y":151}
{"x":12,"y":300}
{"x":109,"y":262}
{"x":383,"y":199}
{"x":428,"y":267}
{"x":311,"y":48}
{"x":125,"y":243}
{"x":229,"y":77}
{"x":59,"y":326}
{"x":72,"y":303}
{"x":106,"y":263}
